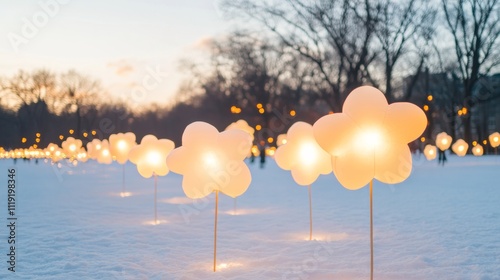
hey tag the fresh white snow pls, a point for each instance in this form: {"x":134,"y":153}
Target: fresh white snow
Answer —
{"x":441,"y":223}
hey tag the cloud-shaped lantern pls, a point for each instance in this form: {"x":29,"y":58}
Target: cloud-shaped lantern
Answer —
{"x":494,"y":139}
{"x":302,"y":155}
{"x":120,"y":145}
{"x":71,"y":146}
{"x":478,"y":150}
{"x":430,"y":152}
{"x":369,"y":139}
{"x":460,"y":147}
{"x":150,"y":156}
{"x":211,"y":161}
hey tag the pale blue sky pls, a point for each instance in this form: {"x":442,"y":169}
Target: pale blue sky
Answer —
{"x":113,"y":41}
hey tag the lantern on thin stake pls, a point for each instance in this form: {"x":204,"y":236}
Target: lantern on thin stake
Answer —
{"x":443,"y":141}
{"x":212,"y":162}
{"x":477,"y":150}
{"x":243,"y":126}
{"x":104,"y":154}
{"x":93,"y":148}
{"x":430,"y":152}
{"x":369,"y":140}
{"x":71,"y":146}
{"x":494,"y":140}
{"x":304,"y":158}
{"x":120,"y":145}
{"x":150,"y":158}
{"x":460,"y":147}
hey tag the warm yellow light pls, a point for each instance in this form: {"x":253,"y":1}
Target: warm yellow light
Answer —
{"x":495,"y":139}
{"x":485,"y":142}
{"x":270,"y":140}
{"x":259,"y":106}
{"x":61,"y":137}
{"x":369,"y":138}
{"x":153,"y":158}
{"x":307,"y":153}
{"x":444,"y":141}
{"x":292,"y":113}
{"x":58,"y":153}
{"x":422,"y":139}
{"x":258,"y":127}
{"x":122,"y":145}
{"x":37,"y":140}
{"x":261,"y":110}
{"x":24,"y":140}
{"x":85,"y":134}
{"x":330,"y":113}
{"x":461,"y":148}
{"x":94,"y":132}
{"x":72,"y":147}
{"x":37,"y":134}
{"x":464,"y":110}
{"x":460,"y":112}
{"x":255,"y":150}
{"x":98,"y":146}
{"x":51,"y":148}
{"x":71,"y":131}
{"x":283,"y":142}
{"x":210,"y":159}
{"x":105,"y":152}
{"x":474,"y":143}
{"x":429,"y":97}
{"x":35,"y":146}
{"x":426,"y":107}
{"x":431,"y":152}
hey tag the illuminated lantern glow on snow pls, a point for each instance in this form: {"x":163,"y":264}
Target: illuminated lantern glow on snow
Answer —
{"x":460,"y":147}
{"x":212,"y":162}
{"x":494,"y":139}
{"x":103,"y":153}
{"x":150,"y":156}
{"x":302,"y":155}
{"x":120,"y":145}
{"x":477,"y":150}
{"x":93,"y":148}
{"x":430,"y":152}
{"x":369,"y":140}
{"x":71,"y":146}
{"x":443,"y":141}
{"x":304,"y":158}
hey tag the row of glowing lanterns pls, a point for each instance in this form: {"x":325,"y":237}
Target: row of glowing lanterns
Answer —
{"x":367,"y":141}
{"x":460,"y":147}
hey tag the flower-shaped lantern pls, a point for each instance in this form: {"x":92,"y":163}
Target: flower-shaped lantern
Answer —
{"x":477,"y":150}
{"x":212,"y":162}
{"x":150,"y":158}
{"x":71,"y":146}
{"x":304,"y":157}
{"x":430,"y":152}
{"x":369,"y":140}
{"x":443,"y":141}
{"x":460,"y":147}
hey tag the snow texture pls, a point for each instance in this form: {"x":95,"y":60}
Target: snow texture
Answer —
{"x":441,"y":223}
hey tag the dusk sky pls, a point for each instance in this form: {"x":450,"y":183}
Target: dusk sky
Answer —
{"x":112,"y":41}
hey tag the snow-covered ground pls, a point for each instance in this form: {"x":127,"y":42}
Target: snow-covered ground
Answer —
{"x":441,"y":223}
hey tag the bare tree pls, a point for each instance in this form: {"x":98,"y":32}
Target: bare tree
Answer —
{"x":475,"y":30}
{"x":80,"y":94}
